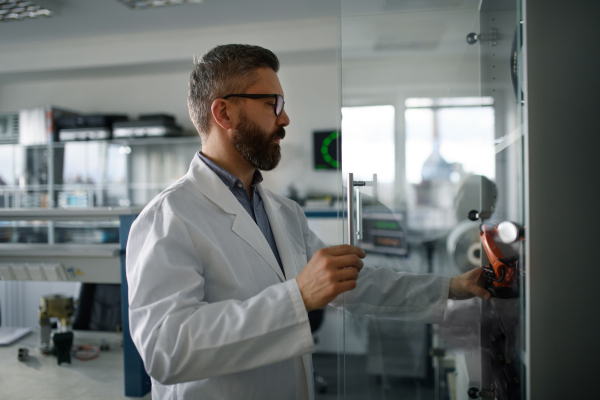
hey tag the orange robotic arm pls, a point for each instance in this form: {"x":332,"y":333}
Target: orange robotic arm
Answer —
{"x":502,"y":271}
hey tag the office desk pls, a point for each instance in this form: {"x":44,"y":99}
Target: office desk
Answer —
{"x":42,"y":378}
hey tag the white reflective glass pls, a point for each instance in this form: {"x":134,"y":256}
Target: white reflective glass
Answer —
{"x":455,"y":146}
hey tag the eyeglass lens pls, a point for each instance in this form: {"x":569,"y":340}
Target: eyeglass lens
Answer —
{"x":279,"y":106}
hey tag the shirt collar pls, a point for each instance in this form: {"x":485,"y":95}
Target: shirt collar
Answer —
{"x":228,"y":178}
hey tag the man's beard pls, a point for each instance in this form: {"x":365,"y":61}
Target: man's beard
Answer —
{"x":256,"y":146}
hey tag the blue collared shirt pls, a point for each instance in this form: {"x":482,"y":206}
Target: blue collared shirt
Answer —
{"x":254,"y":207}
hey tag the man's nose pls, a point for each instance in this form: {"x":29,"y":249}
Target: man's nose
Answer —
{"x":283,"y":119}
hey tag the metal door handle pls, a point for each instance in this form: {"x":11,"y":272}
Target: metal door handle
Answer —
{"x":358,"y":233}
{"x":352,"y":190}
{"x":350,"y":195}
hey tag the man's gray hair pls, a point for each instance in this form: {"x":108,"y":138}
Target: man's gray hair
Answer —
{"x":224,"y":70}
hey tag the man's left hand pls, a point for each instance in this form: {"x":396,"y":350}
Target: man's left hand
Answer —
{"x":468,"y":285}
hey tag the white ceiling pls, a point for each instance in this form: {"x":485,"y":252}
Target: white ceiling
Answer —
{"x":83,"y":19}
{"x":89,"y":18}
{"x":99,"y":37}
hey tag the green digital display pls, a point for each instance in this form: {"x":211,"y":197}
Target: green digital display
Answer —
{"x":392,"y":225}
{"x":327,"y":146}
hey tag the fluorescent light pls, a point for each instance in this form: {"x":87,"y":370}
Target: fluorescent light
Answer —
{"x":14,"y":10}
{"x":143,"y":4}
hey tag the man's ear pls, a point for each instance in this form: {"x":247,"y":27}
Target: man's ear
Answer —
{"x":221,"y":114}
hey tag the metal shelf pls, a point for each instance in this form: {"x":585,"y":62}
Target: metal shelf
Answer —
{"x":60,"y":250}
{"x":59,"y":214}
{"x":143,"y":141}
{"x":148,"y":141}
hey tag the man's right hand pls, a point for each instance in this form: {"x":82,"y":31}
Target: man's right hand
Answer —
{"x":331,"y":271}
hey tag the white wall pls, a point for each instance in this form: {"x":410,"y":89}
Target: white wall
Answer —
{"x":311,"y":93}
{"x":313,"y":103}
{"x":106,"y":51}
{"x":123,"y":94}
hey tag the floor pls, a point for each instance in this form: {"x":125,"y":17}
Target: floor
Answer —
{"x":359,"y":385}
{"x":102,"y":378}
{"x":40,"y":377}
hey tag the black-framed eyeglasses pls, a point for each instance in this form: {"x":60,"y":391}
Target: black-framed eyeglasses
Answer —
{"x":277,"y":107}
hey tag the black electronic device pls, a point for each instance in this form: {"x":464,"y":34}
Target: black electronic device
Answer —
{"x":87,"y":127}
{"x":327,"y":150}
{"x":158,"y":117}
{"x":149,"y":125}
{"x":89,"y":121}
{"x":62,"y":344}
{"x":67,"y":135}
{"x":383,"y":232}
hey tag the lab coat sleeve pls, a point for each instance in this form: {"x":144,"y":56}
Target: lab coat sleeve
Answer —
{"x":181,"y":337}
{"x":386,"y":293}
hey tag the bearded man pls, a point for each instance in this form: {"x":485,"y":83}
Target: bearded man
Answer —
{"x":222,"y":272}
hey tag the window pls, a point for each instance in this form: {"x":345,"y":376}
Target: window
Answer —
{"x":460,"y":128}
{"x":368,"y":142}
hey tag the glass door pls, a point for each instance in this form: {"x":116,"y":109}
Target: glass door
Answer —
{"x":432,"y":171}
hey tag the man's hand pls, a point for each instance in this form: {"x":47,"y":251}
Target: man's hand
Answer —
{"x":468,"y":285}
{"x":331,"y":271}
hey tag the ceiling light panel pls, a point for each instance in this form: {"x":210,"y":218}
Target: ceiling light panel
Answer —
{"x":143,"y":4}
{"x":13,"y":10}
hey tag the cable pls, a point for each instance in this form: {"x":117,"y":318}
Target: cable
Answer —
{"x":91,"y":352}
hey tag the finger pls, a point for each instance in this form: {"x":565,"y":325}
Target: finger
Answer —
{"x":475,"y":273}
{"x":345,"y":286}
{"x":346,"y":274}
{"x":479,"y":292}
{"x":344,"y":249}
{"x":349,"y":260}
{"x":481,"y":279}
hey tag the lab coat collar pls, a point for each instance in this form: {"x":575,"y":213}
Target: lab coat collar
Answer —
{"x":227,"y":177}
{"x":211,"y":186}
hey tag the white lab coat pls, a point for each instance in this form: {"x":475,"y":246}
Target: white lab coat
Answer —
{"x":210,"y":312}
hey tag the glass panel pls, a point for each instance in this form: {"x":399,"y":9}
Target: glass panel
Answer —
{"x":155,"y":164}
{"x":75,"y":232}
{"x":24,"y":176}
{"x":120,"y":173}
{"x":85,"y":175}
{"x":95,"y":173}
{"x":432,"y":126}
{"x":23,"y":231}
